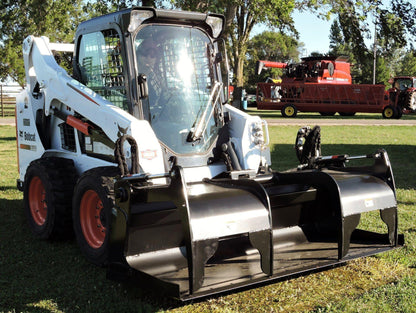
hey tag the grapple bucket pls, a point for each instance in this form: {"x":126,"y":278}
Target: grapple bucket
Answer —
{"x":202,"y":238}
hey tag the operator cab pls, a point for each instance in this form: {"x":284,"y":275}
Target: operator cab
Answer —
{"x":183,"y":90}
{"x":403,"y":83}
{"x":142,"y":61}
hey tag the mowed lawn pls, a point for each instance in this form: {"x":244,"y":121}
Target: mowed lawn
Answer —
{"x":52,"y":276}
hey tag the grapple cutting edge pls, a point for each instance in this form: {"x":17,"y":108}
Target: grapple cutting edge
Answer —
{"x":197,"y":239}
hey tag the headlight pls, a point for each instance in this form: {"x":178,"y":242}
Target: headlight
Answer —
{"x":260,"y":133}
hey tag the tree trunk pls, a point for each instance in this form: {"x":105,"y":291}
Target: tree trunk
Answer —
{"x":237,"y":95}
{"x":239,"y":78}
{"x":148,"y":3}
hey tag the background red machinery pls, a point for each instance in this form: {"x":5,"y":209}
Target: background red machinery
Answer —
{"x":324,"y":85}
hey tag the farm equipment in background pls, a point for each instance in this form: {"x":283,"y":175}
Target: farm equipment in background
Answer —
{"x":330,"y":70}
{"x":324,"y":85}
{"x":164,"y":181}
{"x":403,"y":92}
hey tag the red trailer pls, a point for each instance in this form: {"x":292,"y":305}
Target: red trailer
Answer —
{"x":324,"y":86}
{"x":291,"y":97}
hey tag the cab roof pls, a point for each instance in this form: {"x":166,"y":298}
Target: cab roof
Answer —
{"x":122,"y":19}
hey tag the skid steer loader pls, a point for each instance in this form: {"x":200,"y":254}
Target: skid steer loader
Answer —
{"x":160,"y":179}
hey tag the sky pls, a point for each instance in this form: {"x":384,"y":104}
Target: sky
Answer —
{"x":313,"y":32}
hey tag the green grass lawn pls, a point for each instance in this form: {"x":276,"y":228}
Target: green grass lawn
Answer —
{"x":44,"y":276}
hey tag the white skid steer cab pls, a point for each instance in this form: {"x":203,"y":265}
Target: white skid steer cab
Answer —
{"x":140,"y":155}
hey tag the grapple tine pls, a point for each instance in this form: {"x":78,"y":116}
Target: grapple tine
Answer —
{"x":201,"y":252}
{"x":389,"y":216}
{"x":262,"y":241}
{"x":348,"y":225}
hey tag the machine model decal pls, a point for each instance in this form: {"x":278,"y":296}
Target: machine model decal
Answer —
{"x":149,"y":154}
{"x":27,"y":136}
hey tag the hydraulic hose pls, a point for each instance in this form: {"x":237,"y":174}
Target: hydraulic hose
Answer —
{"x":121,"y":159}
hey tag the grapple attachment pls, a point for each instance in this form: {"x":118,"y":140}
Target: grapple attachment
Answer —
{"x":197,"y":239}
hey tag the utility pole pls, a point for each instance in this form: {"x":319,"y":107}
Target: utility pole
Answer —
{"x":374,"y":52}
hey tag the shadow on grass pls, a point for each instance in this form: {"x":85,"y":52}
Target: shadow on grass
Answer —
{"x":41,"y":276}
{"x":7,"y":138}
{"x":6,"y":188}
{"x":406,"y":202}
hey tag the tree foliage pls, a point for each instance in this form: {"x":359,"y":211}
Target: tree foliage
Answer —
{"x":241,"y":17}
{"x":56,"y":19}
{"x":339,"y":46}
{"x":271,"y":46}
{"x":274,"y":46}
{"x":396,"y":19}
{"x":396,"y":23}
{"x":395,"y":27}
{"x":408,"y":64}
{"x":101,"y":7}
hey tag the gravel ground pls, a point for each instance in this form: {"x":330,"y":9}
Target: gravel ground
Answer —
{"x":304,"y":121}
{"x":337,"y":122}
{"x":7,"y":121}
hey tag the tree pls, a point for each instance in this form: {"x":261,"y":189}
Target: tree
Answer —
{"x":271,"y":46}
{"x":382,"y":71}
{"x":338,"y":46}
{"x":336,"y":38}
{"x":241,"y":16}
{"x":408,"y":64}
{"x":101,"y":7}
{"x":395,"y":22}
{"x":56,"y":19}
{"x":18,"y":19}
{"x":395,"y":27}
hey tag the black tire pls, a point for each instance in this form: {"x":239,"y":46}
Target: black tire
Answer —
{"x":91,"y":212}
{"x":346,"y":113}
{"x":47,"y":196}
{"x":398,"y":113}
{"x":389,"y":112}
{"x":289,"y":110}
{"x":327,"y":113}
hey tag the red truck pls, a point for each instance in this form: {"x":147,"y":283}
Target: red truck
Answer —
{"x":325,"y":86}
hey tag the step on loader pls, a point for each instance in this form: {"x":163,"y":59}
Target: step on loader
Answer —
{"x":139,"y":154}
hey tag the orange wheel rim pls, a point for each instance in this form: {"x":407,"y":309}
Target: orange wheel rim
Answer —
{"x":91,"y":210}
{"x":37,"y":202}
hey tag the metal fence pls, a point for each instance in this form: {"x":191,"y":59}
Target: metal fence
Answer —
{"x":8,"y":99}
